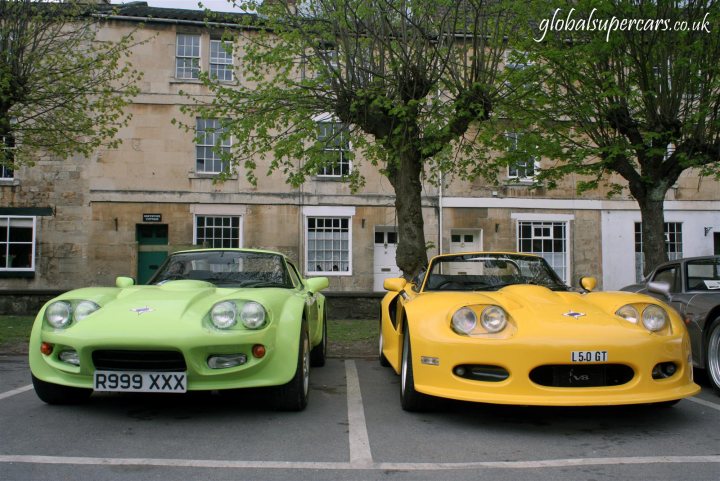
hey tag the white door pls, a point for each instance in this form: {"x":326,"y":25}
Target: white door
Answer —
{"x":386,"y":239}
{"x":465,"y":240}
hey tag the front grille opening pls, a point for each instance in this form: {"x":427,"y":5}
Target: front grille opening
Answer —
{"x":582,"y":375}
{"x":481,"y":372}
{"x":121,"y":360}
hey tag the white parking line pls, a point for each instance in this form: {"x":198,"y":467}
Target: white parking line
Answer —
{"x":360,"y":454}
{"x":19,"y":390}
{"x":705,"y":403}
{"x":229,"y":464}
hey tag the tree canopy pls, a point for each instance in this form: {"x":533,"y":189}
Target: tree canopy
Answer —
{"x":405,"y":79}
{"x":62,"y":90}
{"x":630,"y":88}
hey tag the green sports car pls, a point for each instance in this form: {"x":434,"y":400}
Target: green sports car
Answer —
{"x":209,"y":319}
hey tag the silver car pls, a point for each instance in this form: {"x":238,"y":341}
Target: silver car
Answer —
{"x":692,"y":287}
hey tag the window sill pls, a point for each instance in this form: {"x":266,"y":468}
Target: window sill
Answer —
{"x":194,"y":81}
{"x":10,"y":274}
{"x":328,"y":274}
{"x":209,"y":176}
{"x":9,"y":182}
{"x":521,"y":182}
{"x":329,"y":178}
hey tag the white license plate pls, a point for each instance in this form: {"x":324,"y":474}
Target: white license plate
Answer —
{"x":127,"y":381}
{"x":589,"y":356}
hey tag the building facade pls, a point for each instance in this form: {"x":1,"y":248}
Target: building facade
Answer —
{"x":83,"y":221}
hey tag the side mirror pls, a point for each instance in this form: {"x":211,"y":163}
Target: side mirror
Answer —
{"x":317,"y":284}
{"x":662,"y":288}
{"x":588,"y":283}
{"x":124,"y":282}
{"x":394,"y":284}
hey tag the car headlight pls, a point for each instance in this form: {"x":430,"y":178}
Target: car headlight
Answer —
{"x":252,"y":315}
{"x":464,"y":320}
{"x":493,"y":319}
{"x":84,"y":309}
{"x":59,"y":314}
{"x":654,"y":318}
{"x":224,"y":315}
{"x":629,"y":313}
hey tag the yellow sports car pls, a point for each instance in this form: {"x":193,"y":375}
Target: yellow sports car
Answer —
{"x":503,"y":328}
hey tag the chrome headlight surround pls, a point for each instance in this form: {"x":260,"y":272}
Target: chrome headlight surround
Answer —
{"x":629,"y":313}
{"x":654,"y":318}
{"x":464,"y":321}
{"x":493,"y":319}
{"x":253,"y":315}
{"x":61,"y":314}
{"x":223,"y":315}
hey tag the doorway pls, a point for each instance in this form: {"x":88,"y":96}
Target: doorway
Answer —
{"x":152,"y":242}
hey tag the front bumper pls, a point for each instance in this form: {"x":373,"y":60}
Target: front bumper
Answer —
{"x":277,"y":367}
{"x":434,"y":362}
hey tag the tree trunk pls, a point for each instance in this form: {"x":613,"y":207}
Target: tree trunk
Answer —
{"x":411,"y":253}
{"x":653,"y":229}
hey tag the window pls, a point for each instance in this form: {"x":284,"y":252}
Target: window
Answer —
{"x":221,"y":60}
{"x":673,"y":246}
{"x":211,"y":145}
{"x":547,"y":239}
{"x":187,"y":56}
{"x":217,"y":231}
{"x":8,"y":147}
{"x":333,"y":136}
{"x":328,"y":245}
{"x":521,"y":170}
{"x":17,"y":243}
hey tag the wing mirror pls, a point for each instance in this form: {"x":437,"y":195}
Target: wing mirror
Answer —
{"x":662,"y":288}
{"x":394,"y":284}
{"x":123,"y":282}
{"x":317,"y":284}
{"x":588,"y":283}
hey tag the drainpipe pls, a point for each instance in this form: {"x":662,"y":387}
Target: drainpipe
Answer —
{"x":440,"y":215}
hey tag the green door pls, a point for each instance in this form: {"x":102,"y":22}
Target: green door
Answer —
{"x":152,"y":242}
{"x":148,"y":263}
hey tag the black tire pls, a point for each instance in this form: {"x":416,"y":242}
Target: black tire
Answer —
{"x":293,"y":396}
{"x":712,"y":355}
{"x":58,"y":394}
{"x":318,"y":355}
{"x":410,"y":399}
{"x":381,"y":357}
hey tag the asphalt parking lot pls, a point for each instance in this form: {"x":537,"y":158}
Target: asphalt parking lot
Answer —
{"x":353,"y":429}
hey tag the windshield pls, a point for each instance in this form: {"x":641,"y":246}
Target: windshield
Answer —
{"x":225,"y":268}
{"x":489,"y":272}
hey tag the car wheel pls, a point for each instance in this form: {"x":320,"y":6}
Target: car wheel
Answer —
{"x":410,"y":399}
{"x":319,"y":352}
{"x":293,"y":396}
{"x":59,"y":394}
{"x":383,"y":360}
{"x":712,"y":355}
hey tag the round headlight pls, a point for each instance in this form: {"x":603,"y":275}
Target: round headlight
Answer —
{"x":629,"y":313}
{"x":57,"y":314}
{"x":654,"y":318}
{"x":224,"y":315}
{"x":493,"y":319}
{"x":464,"y":320}
{"x":84,"y":309}
{"x":252,"y":315}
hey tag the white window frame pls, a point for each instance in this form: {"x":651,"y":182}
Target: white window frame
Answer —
{"x":200,"y":138}
{"x":193,"y":69}
{"x":672,"y":254}
{"x":196,"y":216}
{"x":221,"y":60}
{"x":344,"y":153}
{"x":5,"y":243}
{"x":328,"y":212}
{"x":548,"y":219}
{"x":518,"y":166}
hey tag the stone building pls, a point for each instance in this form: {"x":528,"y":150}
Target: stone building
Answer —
{"x":83,"y":221}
